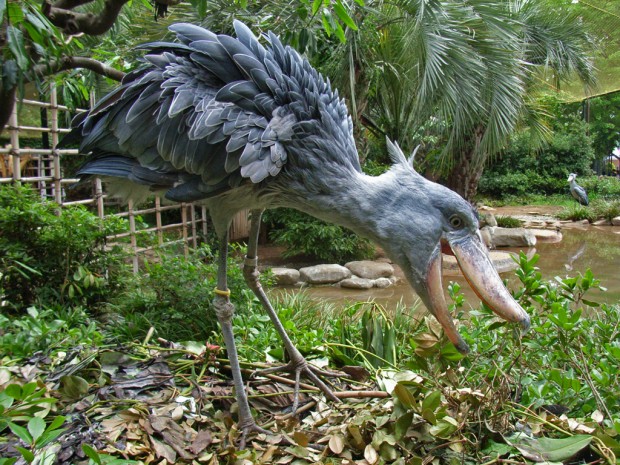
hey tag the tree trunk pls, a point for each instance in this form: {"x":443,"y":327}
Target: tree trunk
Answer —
{"x":467,"y":171}
{"x":463,"y":178}
{"x":7,"y":101}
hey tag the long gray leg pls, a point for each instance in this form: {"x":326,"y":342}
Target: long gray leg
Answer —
{"x":298,"y":363}
{"x":224,"y":311}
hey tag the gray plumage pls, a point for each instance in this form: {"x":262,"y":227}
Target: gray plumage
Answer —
{"x":578,"y":192}
{"x":236,"y":125}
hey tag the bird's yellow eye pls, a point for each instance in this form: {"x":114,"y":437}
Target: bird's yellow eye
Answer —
{"x":456,"y":221}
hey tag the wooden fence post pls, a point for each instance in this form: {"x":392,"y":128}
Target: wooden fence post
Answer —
{"x":55,"y":155}
{"x":132,"y":235}
{"x":204,"y":222}
{"x":14,"y":134}
{"x":99,"y":198}
{"x":160,"y":233}
{"x":192,"y":212}
{"x":184,"y":228}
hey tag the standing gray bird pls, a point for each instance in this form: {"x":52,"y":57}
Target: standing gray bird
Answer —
{"x":234,"y":125}
{"x":578,"y":192}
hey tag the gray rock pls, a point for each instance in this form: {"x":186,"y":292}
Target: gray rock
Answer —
{"x":485,"y":233}
{"x":370,"y":270}
{"x":549,"y":236}
{"x":488,"y":219}
{"x":382,"y":283}
{"x":512,"y":237}
{"x":616,"y":221}
{"x":602,"y":222}
{"x":355,"y":282}
{"x":285,"y":276}
{"x":324,"y":274}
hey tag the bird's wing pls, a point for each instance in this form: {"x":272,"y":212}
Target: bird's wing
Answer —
{"x":213,"y":110}
{"x":582,"y":195}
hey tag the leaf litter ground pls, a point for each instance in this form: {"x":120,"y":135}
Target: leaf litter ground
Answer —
{"x":175,"y":404}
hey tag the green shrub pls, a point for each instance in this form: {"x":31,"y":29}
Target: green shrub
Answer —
{"x":48,"y":254}
{"x":47,"y":329}
{"x":598,"y":209}
{"x":302,"y":234}
{"x":508,"y":222}
{"x":577,"y":212}
{"x":174,"y":295}
{"x":525,"y":169}
{"x":602,"y":187}
{"x":568,"y":358}
{"x":607,"y":210}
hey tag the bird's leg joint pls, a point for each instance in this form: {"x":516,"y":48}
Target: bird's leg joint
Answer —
{"x":250,"y":272}
{"x":224,"y":309}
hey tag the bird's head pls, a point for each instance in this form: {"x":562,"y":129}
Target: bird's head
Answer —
{"x":571,"y":177}
{"x":423,"y":218}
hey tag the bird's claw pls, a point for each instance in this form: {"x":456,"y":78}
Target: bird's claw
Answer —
{"x":248,"y":428}
{"x":297,"y":367}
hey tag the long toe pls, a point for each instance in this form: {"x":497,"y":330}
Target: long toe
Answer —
{"x":301,"y":368}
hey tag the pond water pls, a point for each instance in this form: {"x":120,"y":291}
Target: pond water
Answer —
{"x":597,"y":248}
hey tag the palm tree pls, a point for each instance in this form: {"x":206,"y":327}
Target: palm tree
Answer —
{"x":468,"y":70}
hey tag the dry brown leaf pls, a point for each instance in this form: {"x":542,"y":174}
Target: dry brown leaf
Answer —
{"x":202,"y":440}
{"x":301,"y":438}
{"x":370,"y":454}
{"x":268,"y":454}
{"x":163,"y":450}
{"x":356,"y":373}
{"x":336,"y":443}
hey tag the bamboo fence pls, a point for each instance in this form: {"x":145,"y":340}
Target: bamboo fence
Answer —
{"x":42,"y":168}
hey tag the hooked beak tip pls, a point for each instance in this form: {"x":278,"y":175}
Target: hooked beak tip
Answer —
{"x":525,"y":323}
{"x":462,"y":347}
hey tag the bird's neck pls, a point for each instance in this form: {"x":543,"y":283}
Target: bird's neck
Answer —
{"x":356,"y":202}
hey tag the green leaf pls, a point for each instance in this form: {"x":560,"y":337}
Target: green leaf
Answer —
{"x":343,"y":15}
{"x":21,"y":432}
{"x":432,"y":401}
{"x":316,"y":4}
{"x":14,"y":391}
{"x":91,"y":453}
{"x":16,"y":45}
{"x":10,"y":461}
{"x":50,"y":436}
{"x":496,"y":449}
{"x":36,"y":427}
{"x":327,"y":21}
{"x":444,"y":428}
{"x":404,"y":395}
{"x":549,"y":449}
{"x":74,"y":387}
{"x":2,"y":10}
{"x":340,"y":33}
{"x":14,"y":12}
{"x":56,"y":423}
{"x":403,"y":424}
{"x":29,"y":389}
{"x":449,"y":352}
{"x":26,"y":454}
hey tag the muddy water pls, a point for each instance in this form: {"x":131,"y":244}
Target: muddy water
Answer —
{"x":597,"y":248}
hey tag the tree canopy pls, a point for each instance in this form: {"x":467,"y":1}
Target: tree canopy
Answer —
{"x":456,"y":77}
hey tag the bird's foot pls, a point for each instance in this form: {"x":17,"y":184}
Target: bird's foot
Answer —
{"x":298,"y":366}
{"x":247,"y":428}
